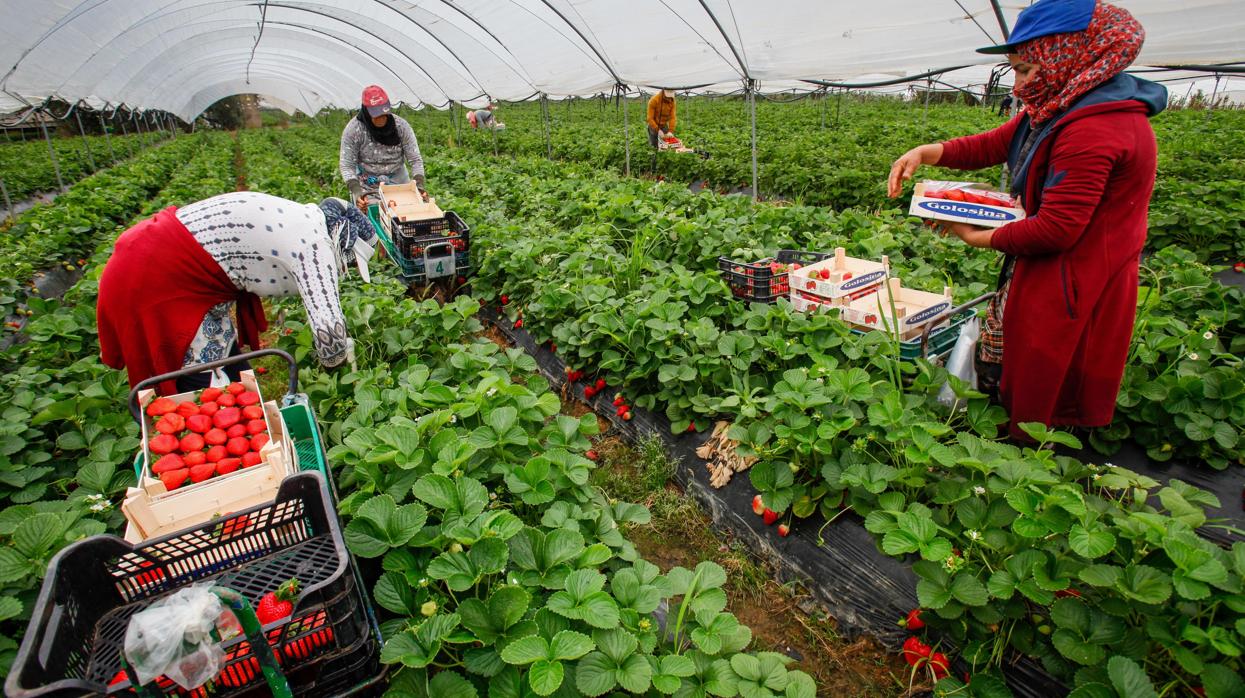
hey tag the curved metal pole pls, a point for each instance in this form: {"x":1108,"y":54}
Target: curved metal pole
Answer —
{"x":998,"y":14}
{"x":739,"y":59}
{"x":626,"y":132}
{"x":56,"y":165}
{"x":752,"y":115}
{"x":604,"y":63}
{"x":107,"y":138}
{"x":884,"y":83}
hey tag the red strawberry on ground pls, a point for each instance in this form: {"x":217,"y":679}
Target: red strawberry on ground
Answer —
{"x":201,"y":472}
{"x":691,"y":427}
{"x":769,"y":516}
{"x":169,"y":462}
{"x":162,"y":444}
{"x":590,"y":455}
{"x":758,"y":506}
{"x":600,"y":384}
{"x":618,"y":401}
{"x":627,"y":415}
{"x":278,"y":604}
{"x":913,"y":620}
{"x":224,"y":466}
{"x":940,"y":665}
{"x":783,"y":530}
{"x":1239,"y":267}
{"x":161,"y":406}
{"x":915,"y":651}
{"x":173,"y":479}
{"x":260,"y":370}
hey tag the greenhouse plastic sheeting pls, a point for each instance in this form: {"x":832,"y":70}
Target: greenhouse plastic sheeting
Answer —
{"x":182,"y":56}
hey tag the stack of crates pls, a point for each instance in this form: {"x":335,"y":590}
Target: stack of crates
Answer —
{"x":426,"y":243}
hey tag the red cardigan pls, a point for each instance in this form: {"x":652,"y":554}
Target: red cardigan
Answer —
{"x":154,"y":291}
{"x":1070,"y":310}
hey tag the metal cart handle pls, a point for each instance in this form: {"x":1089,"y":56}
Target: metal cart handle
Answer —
{"x":191,"y":370}
{"x":952,"y":313}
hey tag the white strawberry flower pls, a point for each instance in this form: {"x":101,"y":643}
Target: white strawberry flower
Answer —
{"x":1193,"y":356}
{"x":979,"y":490}
{"x":973,"y":534}
{"x":1208,"y":335}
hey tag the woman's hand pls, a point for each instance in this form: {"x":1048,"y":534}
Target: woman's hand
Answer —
{"x":972,"y":235}
{"x":907,"y":164}
{"x":361,"y":202}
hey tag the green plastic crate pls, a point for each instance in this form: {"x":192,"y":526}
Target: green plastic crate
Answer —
{"x":940,"y":341}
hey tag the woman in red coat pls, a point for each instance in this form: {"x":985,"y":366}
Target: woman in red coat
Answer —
{"x":1082,"y":154}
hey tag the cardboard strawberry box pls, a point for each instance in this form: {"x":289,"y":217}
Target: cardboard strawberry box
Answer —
{"x":964,"y":202}
{"x":402,"y":203}
{"x":898,"y":310}
{"x":839,"y":276}
{"x":205,"y":453}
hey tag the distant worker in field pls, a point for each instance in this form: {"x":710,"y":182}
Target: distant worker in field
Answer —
{"x":192,"y":270}
{"x":1005,"y":105}
{"x":661,"y":117}
{"x":485,"y":118}
{"x":376,"y":148}
{"x":1082,"y":156}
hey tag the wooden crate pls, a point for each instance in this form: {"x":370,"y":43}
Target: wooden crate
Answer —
{"x":845,"y":276}
{"x":153,"y":511}
{"x":913,"y":309}
{"x":402,"y":203}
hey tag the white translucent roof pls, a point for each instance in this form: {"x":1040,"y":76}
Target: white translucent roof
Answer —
{"x":182,"y":55}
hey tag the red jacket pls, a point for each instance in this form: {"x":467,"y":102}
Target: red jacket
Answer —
{"x":1070,"y":310}
{"x":154,"y":291}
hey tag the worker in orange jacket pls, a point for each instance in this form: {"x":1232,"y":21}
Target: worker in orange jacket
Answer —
{"x":661,"y":117}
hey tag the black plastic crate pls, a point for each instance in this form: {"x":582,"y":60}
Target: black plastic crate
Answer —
{"x":754,"y":281}
{"x":73,"y":644}
{"x":412,"y":238}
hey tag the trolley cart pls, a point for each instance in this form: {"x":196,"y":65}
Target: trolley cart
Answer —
{"x":933,"y":343}
{"x":430,"y":252}
{"x":328,"y":646}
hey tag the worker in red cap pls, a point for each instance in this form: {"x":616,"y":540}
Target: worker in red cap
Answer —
{"x":377,"y":145}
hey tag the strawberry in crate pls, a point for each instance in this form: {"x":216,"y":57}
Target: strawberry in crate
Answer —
{"x":213,"y":433}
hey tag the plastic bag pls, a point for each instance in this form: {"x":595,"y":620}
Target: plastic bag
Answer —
{"x":173,"y":637}
{"x":961,"y":362}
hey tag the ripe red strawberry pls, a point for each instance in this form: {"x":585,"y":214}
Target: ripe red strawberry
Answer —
{"x":252,"y":412}
{"x":758,"y":507}
{"x":691,"y":426}
{"x":215,"y":437}
{"x":1239,"y":267}
{"x":236,"y":430}
{"x":236,"y":388}
{"x":599,"y":385}
{"x":187,"y":409}
{"x":199,"y":423}
{"x":209,"y":394}
{"x":940,"y":665}
{"x":258,"y":442}
{"x":191,"y":442}
{"x":238,"y":445}
{"x":589,"y":392}
{"x":224,"y":466}
{"x":227,"y":417}
{"x":202,"y":471}
{"x":505,"y":299}
{"x":208,"y":409}
{"x":769,"y":516}
{"x":915,"y":651}
{"x":618,"y":401}
{"x":217,"y":453}
{"x":173,"y":479}
{"x":627,"y":415}
{"x":256,"y":426}
{"x":590,"y":455}
{"x":161,"y":406}
{"x":783,"y":530}
{"x":621,"y":411}
{"x":913,"y":620}
{"x":193,"y":458}
{"x":518,"y":323}
{"x":248,"y":398}
{"x":227,"y":400}
{"x":278,"y":604}
{"x":162,"y":444}
{"x":168,"y":463}
{"x":825,"y":273}
{"x":251,"y":458}
{"x":171,"y":423}
{"x":260,"y":370}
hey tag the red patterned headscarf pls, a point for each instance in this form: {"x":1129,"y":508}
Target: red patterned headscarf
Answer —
{"x":1069,"y":65}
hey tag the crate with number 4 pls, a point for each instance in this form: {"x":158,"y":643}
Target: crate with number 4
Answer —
{"x":425,"y":242}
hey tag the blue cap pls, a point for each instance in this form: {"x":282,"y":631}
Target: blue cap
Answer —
{"x":1046,"y":17}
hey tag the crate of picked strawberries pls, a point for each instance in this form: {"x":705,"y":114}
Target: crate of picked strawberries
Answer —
{"x":767,"y":280}
{"x":205,"y":453}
